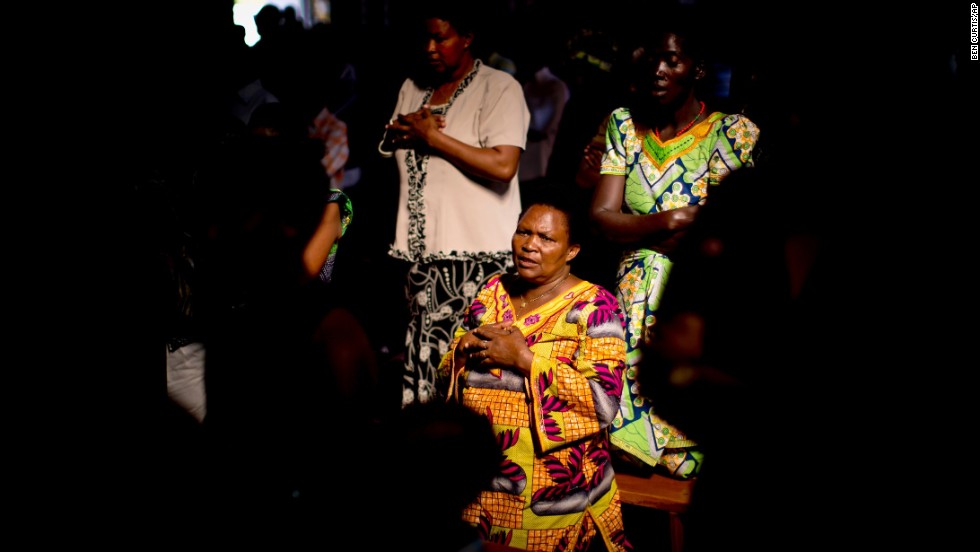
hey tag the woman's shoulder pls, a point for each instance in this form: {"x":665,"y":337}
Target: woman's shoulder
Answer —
{"x":492,"y":73}
{"x":620,"y":119}
{"x":598,"y":308}
{"x":735,"y":120}
{"x":497,"y":80}
{"x":591,"y":292}
{"x":410,"y":85}
{"x":501,"y":279}
{"x":409,"y":93}
{"x":336,"y":195}
{"x":344,"y":203}
{"x":738,"y":129}
{"x":620,"y":114}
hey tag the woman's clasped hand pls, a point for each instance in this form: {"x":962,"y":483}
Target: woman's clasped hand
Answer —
{"x":410,"y":129}
{"x":498,"y":345}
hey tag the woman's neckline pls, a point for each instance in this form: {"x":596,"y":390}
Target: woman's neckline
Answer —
{"x":686,"y":127}
{"x":644,"y":130}
{"x":459,"y":86}
{"x":560,"y":291}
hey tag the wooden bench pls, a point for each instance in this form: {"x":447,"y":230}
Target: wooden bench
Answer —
{"x":661,"y":493}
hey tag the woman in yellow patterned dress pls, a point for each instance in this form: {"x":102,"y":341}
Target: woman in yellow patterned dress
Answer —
{"x":541,"y":353}
{"x":664,"y":153}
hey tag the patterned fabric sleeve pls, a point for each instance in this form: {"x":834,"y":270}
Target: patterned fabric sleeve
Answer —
{"x":576,"y":395}
{"x":733,"y":149}
{"x":744,"y":135}
{"x":472,"y":319}
{"x":614,"y":160}
{"x":346,"y":208}
{"x":346,"y":215}
{"x":448,"y":363}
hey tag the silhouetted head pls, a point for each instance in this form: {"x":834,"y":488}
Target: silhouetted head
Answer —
{"x":438,"y":458}
{"x":262,"y":197}
{"x":267,"y":20}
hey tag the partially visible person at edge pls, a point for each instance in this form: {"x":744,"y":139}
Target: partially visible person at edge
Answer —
{"x":541,"y":353}
{"x":272,"y":123}
{"x":284,"y":357}
{"x":664,"y":152}
{"x":457,"y":134}
{"x":320,"y":253}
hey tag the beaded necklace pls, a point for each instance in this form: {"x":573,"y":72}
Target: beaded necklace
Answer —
{"x":524,"y":302}
{"x":459,"y":89}
{"x":685,"y":129}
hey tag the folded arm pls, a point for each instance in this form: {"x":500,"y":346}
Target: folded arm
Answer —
{"x":659,"y":231}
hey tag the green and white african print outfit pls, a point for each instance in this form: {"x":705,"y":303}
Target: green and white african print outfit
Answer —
{"x":662,"y":175}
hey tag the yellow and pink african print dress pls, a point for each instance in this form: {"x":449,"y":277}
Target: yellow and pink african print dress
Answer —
{"x":662,"y":175}
{"x":556,"y":488}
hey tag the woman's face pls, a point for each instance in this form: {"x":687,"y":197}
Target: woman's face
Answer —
{"x":665,"y":72}
{"x":541,"y":244}
{"x":445,"y":49}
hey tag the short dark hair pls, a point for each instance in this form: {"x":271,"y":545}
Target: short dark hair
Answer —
{"x":465,"y":16}
{"x":687,"y":21}
{"x":558,"y":200}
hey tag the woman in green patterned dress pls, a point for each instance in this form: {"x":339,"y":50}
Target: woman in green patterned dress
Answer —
{"x":663,"y":155}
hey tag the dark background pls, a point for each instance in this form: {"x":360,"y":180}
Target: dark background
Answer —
{"x":122,"y":88}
